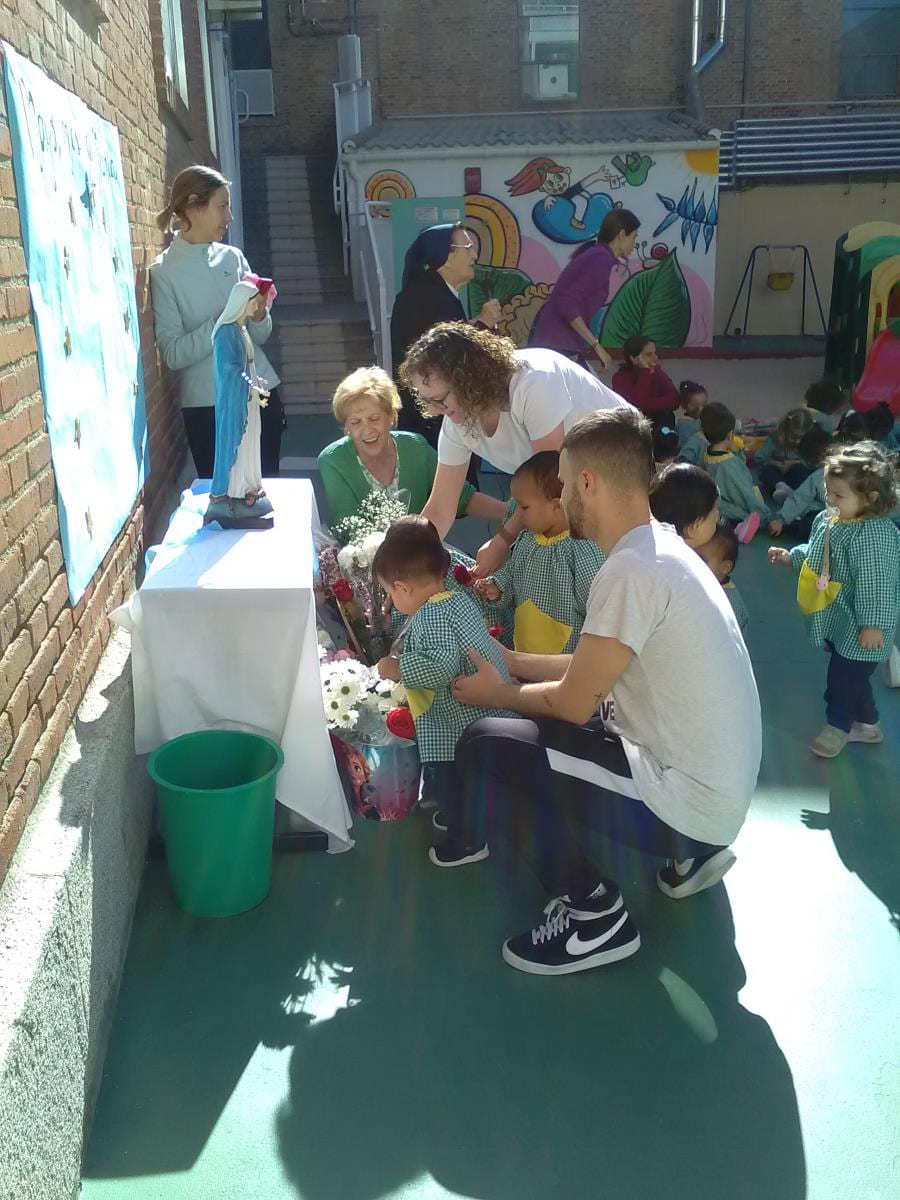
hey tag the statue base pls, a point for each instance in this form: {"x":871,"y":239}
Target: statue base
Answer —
{"x":238,"y":514}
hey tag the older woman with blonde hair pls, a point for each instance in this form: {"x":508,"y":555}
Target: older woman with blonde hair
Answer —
{"x":374,"y":455}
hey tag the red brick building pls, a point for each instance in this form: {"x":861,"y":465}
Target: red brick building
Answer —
{"x":513,"y":55}
{"x":115,"y":58}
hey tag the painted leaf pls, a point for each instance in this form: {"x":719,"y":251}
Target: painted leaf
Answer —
{"x":708,"y":231}
{"x":683,"y":207}
{"x":670,"y":204}
{"x":495,"y":283}
{"x":655,"y":303}
{"x":665,"y":223}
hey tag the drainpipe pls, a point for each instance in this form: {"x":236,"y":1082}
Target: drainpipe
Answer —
{"x":745,"y":74}
{"x":699,"y":62}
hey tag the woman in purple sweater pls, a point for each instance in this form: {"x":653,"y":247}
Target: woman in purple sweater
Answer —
{"x":563,"y":324}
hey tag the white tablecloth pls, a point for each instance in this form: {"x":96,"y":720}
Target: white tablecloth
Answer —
{"x":224,"y":637}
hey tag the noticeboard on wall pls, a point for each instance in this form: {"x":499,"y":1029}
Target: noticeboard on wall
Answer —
{"x":74,"y":218}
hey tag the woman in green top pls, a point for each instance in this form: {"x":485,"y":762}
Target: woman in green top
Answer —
{"x":373,"y":455}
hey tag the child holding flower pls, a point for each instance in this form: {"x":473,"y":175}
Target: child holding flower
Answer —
{"x":411,"y":564}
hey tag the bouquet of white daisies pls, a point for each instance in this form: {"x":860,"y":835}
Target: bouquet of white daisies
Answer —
{"x":357,"y":700}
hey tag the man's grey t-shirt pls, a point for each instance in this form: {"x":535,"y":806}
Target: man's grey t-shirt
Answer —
{"x":686,"y":706}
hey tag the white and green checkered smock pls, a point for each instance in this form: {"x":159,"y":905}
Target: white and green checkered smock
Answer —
{"x":865,"y":560}
{"x":440,"y":634}
{"x":547,"y":579}
{"x":493,"y":613}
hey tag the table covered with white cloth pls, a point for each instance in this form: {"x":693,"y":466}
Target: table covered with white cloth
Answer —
{"x":223,"y":636}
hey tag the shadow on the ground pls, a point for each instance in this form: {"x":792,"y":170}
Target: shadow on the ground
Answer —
{"x":640,"y":1080}
{"x":437,"y":1059}
{"x":864,"y":821}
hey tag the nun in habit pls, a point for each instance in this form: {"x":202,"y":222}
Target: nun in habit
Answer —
{"x":438,"y":264}
{"x":237,"y":493}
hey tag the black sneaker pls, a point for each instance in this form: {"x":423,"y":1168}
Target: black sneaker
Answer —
{"x":574,"y":939}
{"x":450,"y":853}
{"x":681,"y":879}
{"x":439,"y":821}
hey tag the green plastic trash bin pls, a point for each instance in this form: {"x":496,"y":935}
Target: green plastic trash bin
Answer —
{"x":216,"y":794}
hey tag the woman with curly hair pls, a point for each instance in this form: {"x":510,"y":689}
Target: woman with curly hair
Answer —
{"x":499,"y":402}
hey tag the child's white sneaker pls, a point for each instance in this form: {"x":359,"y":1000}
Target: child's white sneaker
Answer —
{"x":781,"y":492}
{"x":829,"y":742}
{"x":866,"y":733}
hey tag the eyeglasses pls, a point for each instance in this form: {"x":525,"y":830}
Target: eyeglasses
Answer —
{"x":440,"y":403}
{"x":466,"y":245}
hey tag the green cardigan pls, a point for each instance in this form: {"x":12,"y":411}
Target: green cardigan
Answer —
{"x":346,"y":486}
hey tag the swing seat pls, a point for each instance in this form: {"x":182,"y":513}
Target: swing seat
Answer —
{"x":780,"y":281}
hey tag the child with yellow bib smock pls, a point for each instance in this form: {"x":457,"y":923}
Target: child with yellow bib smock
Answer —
{"x":549,"y":573}
{"x":411,"y":564}
{"x":849,"y":587}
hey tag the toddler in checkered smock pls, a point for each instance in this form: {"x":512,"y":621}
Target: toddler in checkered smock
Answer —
{"x":549,"y":573}
{"x":849,"y":587}
{"x":411,"y":564}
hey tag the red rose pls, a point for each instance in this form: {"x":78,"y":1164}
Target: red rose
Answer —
{"x":401,"y":724}
{"x":463,"y":575}
{"x":496,"y":631}
{"x":342,"y":590}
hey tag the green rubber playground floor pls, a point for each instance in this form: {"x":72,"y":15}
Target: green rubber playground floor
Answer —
{"x":358,"y":1035}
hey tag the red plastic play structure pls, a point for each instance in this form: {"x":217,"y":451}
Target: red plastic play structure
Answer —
{"x":880,"y":381}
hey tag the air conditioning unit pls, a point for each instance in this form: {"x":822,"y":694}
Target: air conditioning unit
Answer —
{"x":546,"y":81}
{"x":255,"y":94}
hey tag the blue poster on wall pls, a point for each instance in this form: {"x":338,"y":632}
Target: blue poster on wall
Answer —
{"x":74,"y":218}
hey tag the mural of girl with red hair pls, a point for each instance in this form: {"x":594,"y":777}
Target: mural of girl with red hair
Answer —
{"x":556,"y":215}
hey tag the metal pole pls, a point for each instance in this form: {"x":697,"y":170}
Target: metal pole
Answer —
{"x":803,"y":297}
{"x":750,"y":289}
{"x":737,"y":297}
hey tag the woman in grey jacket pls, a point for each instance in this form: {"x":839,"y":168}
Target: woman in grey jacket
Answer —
{"x":190,"y":283}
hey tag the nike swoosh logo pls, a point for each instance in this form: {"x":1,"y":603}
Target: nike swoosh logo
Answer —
{"x":576,"y":946}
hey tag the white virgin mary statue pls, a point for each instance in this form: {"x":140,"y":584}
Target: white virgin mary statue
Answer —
{"x":237,"y":493}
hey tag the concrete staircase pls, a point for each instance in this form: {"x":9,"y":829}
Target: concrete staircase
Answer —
{"x":291,"y":232}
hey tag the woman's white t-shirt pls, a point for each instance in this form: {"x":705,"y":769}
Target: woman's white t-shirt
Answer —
{"x":547,"y":390}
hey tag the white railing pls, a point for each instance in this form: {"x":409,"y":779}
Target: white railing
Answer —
{"x":352,"y":114}
{"x":375,"y":284}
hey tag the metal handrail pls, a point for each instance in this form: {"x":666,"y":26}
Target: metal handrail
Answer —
{"x":381,"y":331}
{"x":359,"y":88}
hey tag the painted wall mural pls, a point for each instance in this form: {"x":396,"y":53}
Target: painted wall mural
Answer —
{"x":531,"y":215}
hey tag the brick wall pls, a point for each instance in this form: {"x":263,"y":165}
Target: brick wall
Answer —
{"x":50,"y":649}
{"x":463,"y":57}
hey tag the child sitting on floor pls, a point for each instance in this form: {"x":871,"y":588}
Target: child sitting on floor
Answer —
{"x":778,"y":460}
{"x":825,"y":401}
{"x":849,"y":588}
{"x":879,"y":426}
{"x":665,"y":446}
{"x":686,"y":497}
{"x":410,"y":564}
{"x":549,"y":573}
{"x":799,"y":506}
{"x":691,"y":398}
{"x":740,"y":500}
{"x":720,"y":554}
